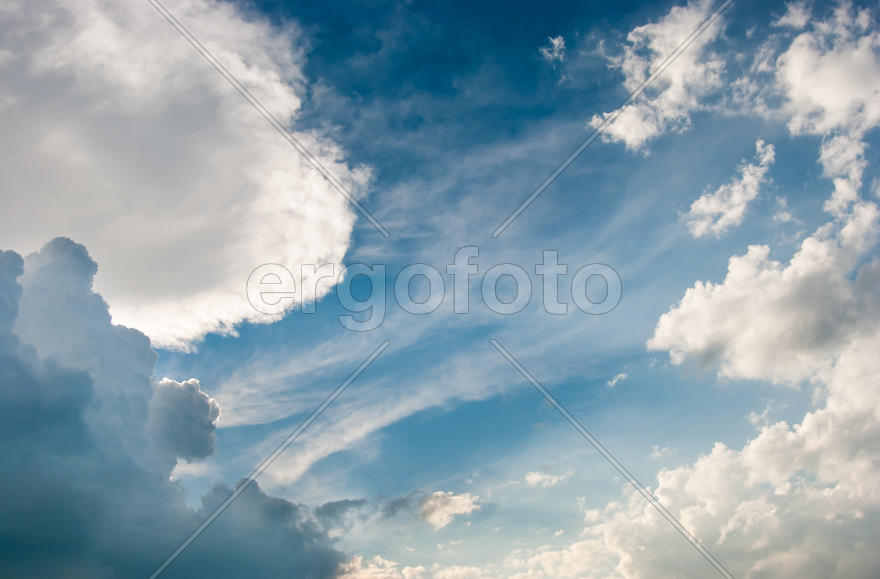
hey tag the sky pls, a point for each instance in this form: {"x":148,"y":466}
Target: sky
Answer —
{"x":182,"y":289}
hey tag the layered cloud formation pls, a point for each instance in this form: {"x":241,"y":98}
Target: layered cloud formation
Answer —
{"x":89,"y":440}
{"x":119,"y":134}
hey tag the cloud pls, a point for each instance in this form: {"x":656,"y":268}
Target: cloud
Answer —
{"x":182,"y":419}
{"x":119,"y":134}
{"x":797,"y":15}
{"x":618,"y":378}
{"x":714,"y":213}
{"x":782,"y":214}
{"x":554,"y":51}
{"x":658,"y":452}
{"x":842,"y":160}
{"x":439,"y":508}
{"x":88,"y":440}
{"x":543,"y":479}
{"x":772,"y":321}
{"x":841,"y":51}
{"x":359,"y":568}
{"x":668,"y":103}
{"x":333,"y":512}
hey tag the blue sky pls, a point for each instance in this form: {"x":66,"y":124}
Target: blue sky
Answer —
{"x":736,"y":199}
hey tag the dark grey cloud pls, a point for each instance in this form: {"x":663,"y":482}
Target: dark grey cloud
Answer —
{"x":87,"y":442}
{"x":395,"y":506}
{"x":182,"y":420}
{"x":340,"y":514}
{"x":331,"y":514}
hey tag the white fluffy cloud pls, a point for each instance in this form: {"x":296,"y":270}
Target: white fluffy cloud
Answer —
{"x":839,"y":52}
{"x":439,"y":508}
{"x":842,"y":51}
{"x":772,"y":321}
{"x":668,"y":103}
{"x":714,"y":213}
{"x":119,"y":134}
{"x":784,"y":322}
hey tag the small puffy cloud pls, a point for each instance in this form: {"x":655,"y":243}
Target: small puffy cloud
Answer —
{"x":182,"y":419}
{"x":439,"y":508}
{"x":668,"y":103}
{"x":797,"y":15}
{"x":175,"y":183}
{"x":618,"y":378}
{"x":554,"y":51}
{"x":714,"y":213}
{"x":543,"y":479}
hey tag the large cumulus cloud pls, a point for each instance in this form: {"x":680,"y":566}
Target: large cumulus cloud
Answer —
{"x":89,"y":439}
{"x":117,"y":133}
